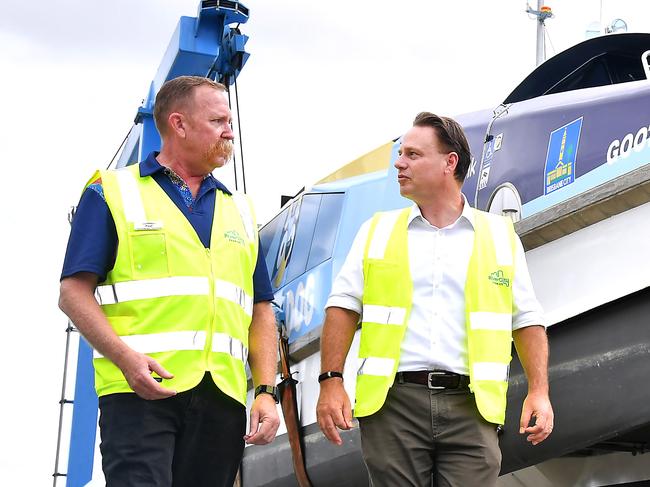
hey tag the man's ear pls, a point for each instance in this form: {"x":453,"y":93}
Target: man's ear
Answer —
{"x":177,"y":123}
{"x":452,"y":162}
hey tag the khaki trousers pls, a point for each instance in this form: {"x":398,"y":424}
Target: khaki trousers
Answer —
{"x":422,"y":438}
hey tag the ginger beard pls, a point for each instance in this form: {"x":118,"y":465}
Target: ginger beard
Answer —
{"x":220,"y":152}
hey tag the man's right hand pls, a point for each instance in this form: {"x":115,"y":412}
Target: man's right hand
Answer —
{"x":78,"y":301}
{"x":333,"y":410}
{"x":137,"y":369}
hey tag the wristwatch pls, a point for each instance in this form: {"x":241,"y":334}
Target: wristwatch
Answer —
{"x":265,"y":389}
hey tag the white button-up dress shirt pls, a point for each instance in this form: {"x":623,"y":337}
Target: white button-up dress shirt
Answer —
{"x":439,"y":257}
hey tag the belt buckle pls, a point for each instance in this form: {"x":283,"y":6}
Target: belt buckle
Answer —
{"x":430,"y":378}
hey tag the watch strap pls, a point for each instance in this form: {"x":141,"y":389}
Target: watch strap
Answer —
{"x":329,"y":374}
{"x":266,"y":389}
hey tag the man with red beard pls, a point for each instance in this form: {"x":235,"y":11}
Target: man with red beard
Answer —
{"x":165,"y":279}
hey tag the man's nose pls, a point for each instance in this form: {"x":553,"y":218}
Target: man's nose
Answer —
{"x":228,"y":133}
{"x":399,"y":162}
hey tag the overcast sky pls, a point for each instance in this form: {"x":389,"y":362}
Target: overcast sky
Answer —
{"x":326,"y":82}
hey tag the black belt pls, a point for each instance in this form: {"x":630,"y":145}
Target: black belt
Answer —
{"x":434,"y":379}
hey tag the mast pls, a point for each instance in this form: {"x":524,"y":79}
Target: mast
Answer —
{"x":542,"y":13}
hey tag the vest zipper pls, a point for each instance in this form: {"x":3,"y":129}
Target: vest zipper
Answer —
{"x":212,"y":318}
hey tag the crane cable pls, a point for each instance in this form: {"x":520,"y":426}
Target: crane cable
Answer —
{"x":241,"y":145}
{"x":119,"y":148}
{"x":234,"y":156}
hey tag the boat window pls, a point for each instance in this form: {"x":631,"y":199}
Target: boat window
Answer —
{"x":327,"y":224}
{"x":601,"y":61}
{"x":270,"y":236}
{"x":607,"y":69}
{"x":301,"y":237}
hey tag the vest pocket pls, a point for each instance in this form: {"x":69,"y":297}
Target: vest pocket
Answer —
{"x":149,"y":254}
{"x":379,"y":276}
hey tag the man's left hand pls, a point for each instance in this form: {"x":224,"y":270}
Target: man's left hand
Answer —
{"x":264,"y":421}
{"x":536,"y":405}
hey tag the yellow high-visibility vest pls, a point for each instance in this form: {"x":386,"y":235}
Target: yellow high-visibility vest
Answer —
{"x":168,"y":296}
{"x":387,"y":303}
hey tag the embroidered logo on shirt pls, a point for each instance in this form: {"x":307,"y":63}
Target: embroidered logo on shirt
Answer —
{"x":233,"y":236}
{"x":497,"y":278}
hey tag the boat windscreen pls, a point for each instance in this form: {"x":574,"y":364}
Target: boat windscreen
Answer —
{"x":605,"y":60}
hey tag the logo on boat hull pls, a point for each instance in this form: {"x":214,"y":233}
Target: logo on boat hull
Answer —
{"x":632,"y":142}
{"x":560,"y":166}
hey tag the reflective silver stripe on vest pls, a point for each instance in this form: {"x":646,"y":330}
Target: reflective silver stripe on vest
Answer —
{"x":152,"y":288}
{"x":226,"y":344}
{"x":382,"y":233}
{"x":245,"y":212}
{"x":501,"y":237}
{"x":490,"y":371}
{"x":131,"y":199}
{"x":376,"y":366}
{"x":384,"y":315}
{"x":227,"y":290}
{"x":163,"y":342}
{"x":485,"y":320}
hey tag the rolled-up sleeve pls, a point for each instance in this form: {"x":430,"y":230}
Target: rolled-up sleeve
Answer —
{"x":347,"y":289}
{"x":526,"y":308}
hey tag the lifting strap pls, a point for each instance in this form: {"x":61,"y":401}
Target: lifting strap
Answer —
{"x":287,"y":389}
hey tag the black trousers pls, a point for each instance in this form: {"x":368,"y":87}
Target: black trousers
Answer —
{"x":192,"y":439}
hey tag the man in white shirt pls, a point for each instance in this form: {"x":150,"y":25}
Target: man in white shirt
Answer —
{"x":441,"y":290}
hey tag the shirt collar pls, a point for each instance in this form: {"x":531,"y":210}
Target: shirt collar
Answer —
{"x":151,"y":166}
{"x":466,"y":214}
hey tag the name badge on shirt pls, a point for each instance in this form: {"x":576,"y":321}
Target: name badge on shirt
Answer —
{"x":147,"y":225}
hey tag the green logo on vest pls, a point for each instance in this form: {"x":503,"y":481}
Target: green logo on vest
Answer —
{"x":233,"y":236}
{"x":497,"y":278}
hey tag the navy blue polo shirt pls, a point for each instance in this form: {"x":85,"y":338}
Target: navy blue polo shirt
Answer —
{"x":92,"y":246}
